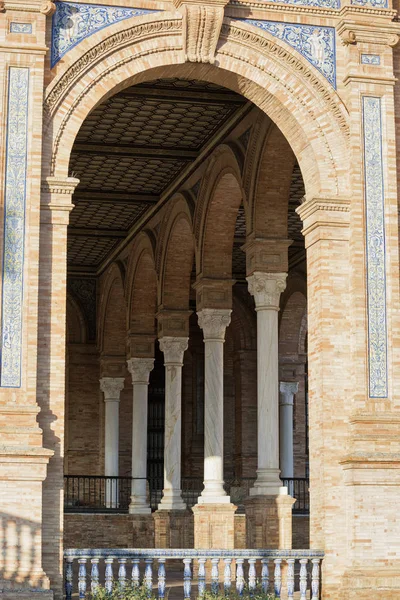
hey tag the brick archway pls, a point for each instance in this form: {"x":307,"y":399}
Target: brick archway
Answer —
{"x":265,"y":70}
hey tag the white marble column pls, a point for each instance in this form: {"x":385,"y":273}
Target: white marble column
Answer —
{"x":266,"y":289}
{"x":214,"y":322}
{"x":173,"y":348}
{"x":287,"y":391}
{"x":111,"y":387}
{"x":140,"y":369}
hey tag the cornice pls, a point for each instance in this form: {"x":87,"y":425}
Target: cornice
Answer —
{"x":352,"y":32}
{"x":309,"y":207}
{"x":36,"y":6}
{"x":275,"y":7}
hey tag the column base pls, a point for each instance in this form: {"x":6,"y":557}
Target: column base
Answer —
{"x":269,"y":522}
{"x":268,"y":483}
{"x":139,"y":508}
{"x":172,"y":500}
{"x":173,"y":529}
{"x":214,"y":526}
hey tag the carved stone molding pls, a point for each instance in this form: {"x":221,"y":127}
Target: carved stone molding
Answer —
{"x":356,"y":33}
{"x":48,"y":8}
{"x":173,"y":349}
{"x":202,"y":24}
{"x":112,"y":387}
{"x":59,"y":185}
{"x":140,"y":369}
{"x":213,"y":322}
{"x":266,"y":289}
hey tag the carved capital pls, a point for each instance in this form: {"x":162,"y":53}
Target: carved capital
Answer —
{"x":325,"y":218}
{"x":266,"y":289}
{"x":174,"y":349}
{"x":202,"y":22}
{"x":111,"y":387}
{"x":59,"y":185}
{"x":140,"y":369}
{"x":287,"y":391}
{"x":48,"y":8}
{"x":213,"y":322}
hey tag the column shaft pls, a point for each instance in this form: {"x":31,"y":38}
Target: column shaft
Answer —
{"x":266,"y":289}
{"x":140,"y":370}
{"x":111,"y":387}
{"x":287,"y":391}
{"x":173,"y":348}
{"x":214,"y":323}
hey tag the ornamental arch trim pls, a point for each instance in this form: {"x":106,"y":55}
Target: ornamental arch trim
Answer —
{"x":255,"y":64}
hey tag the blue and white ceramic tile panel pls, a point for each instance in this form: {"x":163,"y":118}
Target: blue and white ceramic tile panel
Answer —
{"x":371,"y":3}
{"x":370,"y":59}
{"x":14,"y":227}
{"x":316,"y":3}
{"x":375,"y":247}
{"x":73,"y":22}
{"x":20,"y":27}
{"x":316,"y":44}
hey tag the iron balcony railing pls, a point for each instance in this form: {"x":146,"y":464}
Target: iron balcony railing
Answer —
{"x":95,"y":493}
{"x":301,"y":570}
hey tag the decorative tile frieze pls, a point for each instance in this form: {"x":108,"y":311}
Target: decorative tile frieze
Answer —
{"x":316,"y":44}
{"x":371,"y":3}
{"x":21,"y":28}
{"x":375,"y":247}
{"x":73,"y":22}
{"x":370,"y":59}
{"x":14,"y":227}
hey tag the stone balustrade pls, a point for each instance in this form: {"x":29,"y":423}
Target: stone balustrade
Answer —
{"x":281,"y":573}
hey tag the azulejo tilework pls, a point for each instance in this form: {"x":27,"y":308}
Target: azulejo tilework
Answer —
{"x":371,"y":3}
{"x":375,"y":246}
{"x":317,"y":3}
{"x":74,"y":22}
{"x":14,"y":227}
{"x":370,"y":59}
{"x":316,"y":44}
{"x":21,"y":28}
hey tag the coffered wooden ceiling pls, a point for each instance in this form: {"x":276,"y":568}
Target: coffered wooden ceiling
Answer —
{"x":136,"y":148}
{"x":132,"y":148}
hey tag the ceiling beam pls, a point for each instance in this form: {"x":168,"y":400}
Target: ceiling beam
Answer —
{"x":114,"y":197}
{"x":181,"y":154}
{"x":184,"y":95}
{"x":91,"y":232}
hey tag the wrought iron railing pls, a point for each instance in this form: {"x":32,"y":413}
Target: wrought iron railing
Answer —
{"x":299,"y":488}
{"x":93,"y":493}
{"x":302,"y":571}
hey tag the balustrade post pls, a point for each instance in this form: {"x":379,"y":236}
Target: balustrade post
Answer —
{"x":239,"y":576}
{"x":122,"y":572}
{"x":303,"y":578}
{"x":94,"y":584}
{"x":290,"y":578}
{"x":201,"y":577}
{"x":135,"y":572}
{"x":187,"y":578}
{"x":278,"y":577}
{"x":252,"y":575}
{"x":315,"y":579}
{"x":227,"y":576}
{"x":109,"y":576}
{"x":161,"y":578}
{"x":82,"y":577}
{"x":148,"y":575}
{"x":264,"y":575}
{"x":214,"y":576}
{"x":69,"y":575}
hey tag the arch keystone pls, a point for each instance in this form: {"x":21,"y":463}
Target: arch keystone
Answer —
{"x":202,"y":24}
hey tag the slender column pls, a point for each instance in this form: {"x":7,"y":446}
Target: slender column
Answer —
{"x":266,"y":289}
{"x":111,"y":387}
{"x":287,"y":392}
{"x":214,"y":323}
{"x":173,"y":348}
{"x":140,"y":369}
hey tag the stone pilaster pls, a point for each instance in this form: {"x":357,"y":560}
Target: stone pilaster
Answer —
{"x":140,"y":369}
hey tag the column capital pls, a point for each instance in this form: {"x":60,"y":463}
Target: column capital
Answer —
{"x":111,"y":387}
{"x":213,"y":322}
{"x":287,"y":391}
{"x":173,"y":349}
{"x":266,"y":289}
{"x":140,"y":369}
